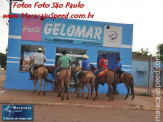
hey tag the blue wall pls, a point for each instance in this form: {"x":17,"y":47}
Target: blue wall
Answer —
{"x":140,"y":72}
{"x":19,"y":80}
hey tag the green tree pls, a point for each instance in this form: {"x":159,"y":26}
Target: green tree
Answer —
{"x":142,"y":52}
{"x":3,"y":58}
{"x":160,"y":51}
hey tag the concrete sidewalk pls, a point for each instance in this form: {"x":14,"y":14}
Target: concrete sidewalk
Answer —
{"x":27,"y":97}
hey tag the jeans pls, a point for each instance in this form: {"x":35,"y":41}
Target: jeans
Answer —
{"x":55,"y":73}
{"x":96,"y":73}
{"x":77,"y":76}
{"x":30,"y":72}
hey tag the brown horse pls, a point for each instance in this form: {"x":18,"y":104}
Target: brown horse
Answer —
{"x":109,"y":78}
{"x":51,"y":70}
{"x":87,"y":78}
{"x":40,"y":73}
{"x":64,"y":77}
{"x":127,"y":79}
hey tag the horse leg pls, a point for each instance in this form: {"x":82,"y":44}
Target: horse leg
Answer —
{"x":78,"y":89}
{"x":40,"y":86}
{"x":34,"y":82}
{"x":88,"y":90}
{"x":59,"y":88}
{"x":93,"y":87}
{"x":114,"y":89}
{"x":128,"y":89}
{"x":62,"y":89}
{"x":96,"y":88}
{"x":44,"y":87}
{"x":82,"y":89}
{"x":110,"y":91}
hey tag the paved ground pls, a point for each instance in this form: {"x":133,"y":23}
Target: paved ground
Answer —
{"x":50,"y":108}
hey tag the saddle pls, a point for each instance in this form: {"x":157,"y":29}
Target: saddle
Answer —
{"x":102,"y":73}
{"x":34,"y":68}
{"x":120,"y":76}
{"x":62,"y":69}
{"x":83,"y":73}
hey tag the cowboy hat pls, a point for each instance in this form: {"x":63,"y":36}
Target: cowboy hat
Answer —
{"x":85,"y":56}
{"x":39,"y":49}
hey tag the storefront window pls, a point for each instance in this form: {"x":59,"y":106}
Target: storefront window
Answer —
{"x":26,"y":53}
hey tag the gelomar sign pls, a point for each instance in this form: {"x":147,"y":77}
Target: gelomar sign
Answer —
{"x":72,"y":32}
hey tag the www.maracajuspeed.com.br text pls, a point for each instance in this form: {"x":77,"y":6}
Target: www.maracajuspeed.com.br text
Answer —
{"x":52,"y":16}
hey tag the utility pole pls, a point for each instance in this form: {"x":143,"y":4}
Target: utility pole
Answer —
{"x":10,"y":6}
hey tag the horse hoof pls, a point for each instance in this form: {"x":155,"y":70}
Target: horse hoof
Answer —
{"x":62,"y":99}
{"x":125,"y":98}
{"x":44,"y":94}
{"x":77,"y":96}
{"x":94,"y":99}
{"x":67,"y":98}
{"x":86,"y":98}
{"x":38,"y":93}
{"x":59,"y":95}
{"x":132,"y":98}
{"x":33,"y":92}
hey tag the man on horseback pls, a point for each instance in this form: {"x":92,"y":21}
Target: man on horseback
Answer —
{"x":39,"y":59}
{"x":103,"y":64}
{"x":118,"y":69}
{"x":85,"y":67}
{"x":64,"y":63}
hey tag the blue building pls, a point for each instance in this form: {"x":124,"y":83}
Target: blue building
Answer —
{"x":143,"y":68}
{"x":75,"y":36}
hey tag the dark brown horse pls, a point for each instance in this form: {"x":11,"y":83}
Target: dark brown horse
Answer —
{"x":51,"y":70}
{"x":87,"y":78}
{"x":127,"y":79}
{"x":39,"y":74}
{"x":110,"y":78}
{"x":64,"y":77}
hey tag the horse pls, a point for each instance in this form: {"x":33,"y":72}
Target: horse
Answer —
{"x":38,"y":74}
{"x":127,"y":79}
{"x":110,"y":78}
{"x":87,"y":78}
{"x":64,"y":77}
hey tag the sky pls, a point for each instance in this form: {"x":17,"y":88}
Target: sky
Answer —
{"x":145,"y":15}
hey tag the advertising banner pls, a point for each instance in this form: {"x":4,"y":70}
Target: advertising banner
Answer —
{"x":112,"y":36}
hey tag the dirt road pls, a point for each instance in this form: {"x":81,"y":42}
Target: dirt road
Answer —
{"x":44,"y":113}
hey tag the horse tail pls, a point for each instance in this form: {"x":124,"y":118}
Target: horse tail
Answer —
{"x":92,"y":84}
{"x":132,"y":87}
{"x":45,"y":76}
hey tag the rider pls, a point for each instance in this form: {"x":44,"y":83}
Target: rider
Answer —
{"x":39,"y":59}
{"x":103,"y":64}
{"x":118,"y":69}
{"x":85,"y":66}
{"x":64,"y":62}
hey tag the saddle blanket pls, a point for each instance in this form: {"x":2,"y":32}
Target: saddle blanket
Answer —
{"x":102,"y":73}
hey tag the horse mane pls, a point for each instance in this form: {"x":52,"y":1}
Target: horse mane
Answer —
{"x":92,"y":67}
